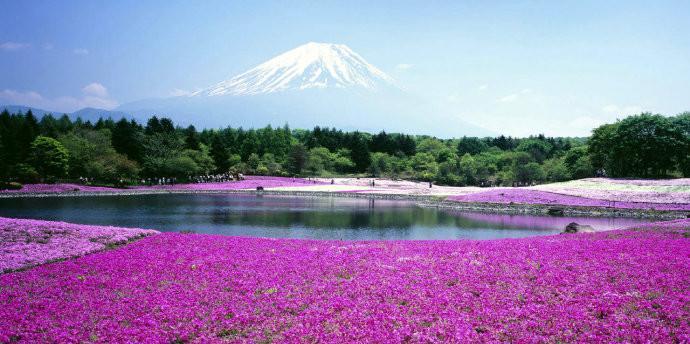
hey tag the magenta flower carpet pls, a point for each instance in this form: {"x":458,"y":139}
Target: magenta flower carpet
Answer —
{"x":58,"y":188}
{"x":24,"y":243}
{"x":530,"y":196}
{"x":618,"y":286}
{"x":250,"y":182}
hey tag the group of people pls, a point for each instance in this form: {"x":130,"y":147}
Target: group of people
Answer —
{"x":159,"y":181}
{"x":216,"y":178}
{"x":209,"y":178}
{"x":85,"y":180}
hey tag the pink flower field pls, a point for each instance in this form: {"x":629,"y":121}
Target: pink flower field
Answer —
{"x":58,"y":188}
{"x":251,"y":182}
{"x":24,"y":243}
{"x":531,"y":196}
{"x":624,"y":190}
{"x":644,"y":182}
{"x":619,"y":286}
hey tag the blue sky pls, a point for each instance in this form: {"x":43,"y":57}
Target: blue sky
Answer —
{"x":516,"y":67}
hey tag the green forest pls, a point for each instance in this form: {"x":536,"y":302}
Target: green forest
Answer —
{"x":125,"y":152}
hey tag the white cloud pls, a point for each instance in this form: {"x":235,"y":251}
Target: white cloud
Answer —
{"x":509,"y":98}
{"x":13,"y":97}
{"x":404,"y":66}
{"x":93,"y":95}
{"x":81,"y":51}
{"x":613,"y":109}
{"x":483,"y":87}
{"x":13,"y":46}
{"x":454,"y":97}
{"x":95,"y":89}
{"x":177,"y":92}
{"x":584,"y":123}
{"x":48,"y":46}
{"x":515,"y":96}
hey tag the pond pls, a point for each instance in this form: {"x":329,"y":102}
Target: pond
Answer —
{"x":293,"y":217}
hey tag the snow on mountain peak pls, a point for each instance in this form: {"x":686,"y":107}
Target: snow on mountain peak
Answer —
{"x":311,"y":65}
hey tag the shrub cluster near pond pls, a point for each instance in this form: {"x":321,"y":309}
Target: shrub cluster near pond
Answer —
{"x":626,"y":286}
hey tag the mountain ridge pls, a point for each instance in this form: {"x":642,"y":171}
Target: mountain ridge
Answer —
{"x":311,"y":65}
{"x":312,"y":84}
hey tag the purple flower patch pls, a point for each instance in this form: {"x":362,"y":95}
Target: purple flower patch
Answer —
{"x":617,"y":286}
{"x":529,"y":196}
{"x":24,"y":243}
{"x":250,"y":182}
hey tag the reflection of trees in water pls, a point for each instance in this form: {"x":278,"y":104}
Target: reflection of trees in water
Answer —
{"x":316,"y":218}
{"x":373,"y":218}
{"x":273,"y":212}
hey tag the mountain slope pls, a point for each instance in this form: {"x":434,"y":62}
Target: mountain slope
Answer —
{"x":314,"y":84}
{"x":312,"y":65}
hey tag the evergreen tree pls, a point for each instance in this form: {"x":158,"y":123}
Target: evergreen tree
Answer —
{"x":127,"y":137}
{"x":3,"y":161}
{"x":27,"y":134}
{"x":153,"y":126}
{"x":167,"y":126}
{"x":64,"y":124}
{"x":359,"y":151}
{"x":191,"y":138}
{"x":504,"y":143}
{"x":297,"y":158}
{"x":48,"y":126}
{"x":406,"y":145}
{"x":220,"y":154}
{"x":8,"y":137}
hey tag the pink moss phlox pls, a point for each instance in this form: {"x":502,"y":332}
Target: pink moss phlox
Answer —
{"x":618,"y":286}
{"x":643,"y":182}
{"x":529,"y":196}
{"x":250,"y":182}
{"x":25,"y":243}
{"x":58,"y":188}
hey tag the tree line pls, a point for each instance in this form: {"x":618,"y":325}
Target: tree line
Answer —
{"x":125,"y":152}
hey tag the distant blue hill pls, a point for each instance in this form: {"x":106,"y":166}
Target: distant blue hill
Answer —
{"x":86,"y":114}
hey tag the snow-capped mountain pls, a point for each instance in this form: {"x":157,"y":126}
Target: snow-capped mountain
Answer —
{"x":314,"y":84}
{"x":312,"y":65}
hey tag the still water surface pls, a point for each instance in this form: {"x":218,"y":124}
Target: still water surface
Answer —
{"x":293,"y":217}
